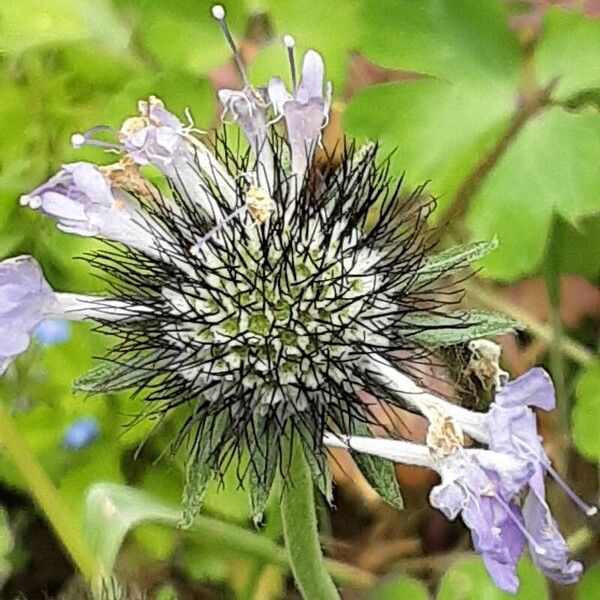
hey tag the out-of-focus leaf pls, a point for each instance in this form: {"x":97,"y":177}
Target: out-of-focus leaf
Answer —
{"x":438,"y":130}
{"x":569,"y":48}
{"x":177,"y":89}
{"x":30,"y":23}
{"x":401,"y":587}
{"x":468,"y":580}
{"x":458,"y":327}
{"x":586,"y":414}
{"x":462,"y":39}
{"x":181,"y":34}
{"x":577,"y":244}
{"x":546,"y":169}
{"x":312,"y":27}
{"x":7,"y":545}
{"x":588,"y":587}
{"x":112,"y":510}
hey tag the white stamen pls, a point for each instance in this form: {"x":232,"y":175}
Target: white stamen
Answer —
{"x":289,"y":42}
{"x":218,"y":12}
{"x":78,"y":140}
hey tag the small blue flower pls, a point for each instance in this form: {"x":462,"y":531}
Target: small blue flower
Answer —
{"x":53,"y":331}
{"x":81,"y":433}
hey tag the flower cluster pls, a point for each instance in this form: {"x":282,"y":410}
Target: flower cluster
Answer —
{"x":258,"y":294}
{"x":486,"y":486}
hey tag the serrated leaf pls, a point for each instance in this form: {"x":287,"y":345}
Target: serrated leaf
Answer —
{"x":568,"y":49}
{"x":377,"y":471}
{"x":586,"y":413}
{"x":457,"y":327}
{"x":548,"y":168}
{"x":454,"y":259}
{"x":437,"y":130}
{"x":462,"y":39}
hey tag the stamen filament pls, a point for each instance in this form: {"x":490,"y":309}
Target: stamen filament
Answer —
{"x":289,"y":42}
{"x":218,"y":12}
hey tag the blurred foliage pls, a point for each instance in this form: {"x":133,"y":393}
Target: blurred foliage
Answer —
{"x":66,"y":65}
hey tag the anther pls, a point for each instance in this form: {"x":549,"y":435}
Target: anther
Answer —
{"x":289,"y":42}
{"x":218,"y":12}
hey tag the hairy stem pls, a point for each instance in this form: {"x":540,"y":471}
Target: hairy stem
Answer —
{"x":47,"y":498}
{"x":300,"y":530}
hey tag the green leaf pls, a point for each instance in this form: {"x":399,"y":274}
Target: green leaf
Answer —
{"x":462,"y":39}
{"x":30,"y":23}
{"x":454,"y":259}
{"x":438,"y":130}
{"x":457,"y":327}
{"x":378,"y":472}
{"x":586,"y":413}
{"x":588,"y":587}
{"x":577,"y":243}
{"x":112,"y":510}
{"x":468,"y":580}
{"x":400,"y":587}
{"x":568,"y":49}
{"x":548,"y":168}
{"x":312,"y":29}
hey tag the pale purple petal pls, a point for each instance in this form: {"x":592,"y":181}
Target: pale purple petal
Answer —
{"x":554,"y":562}
{"x":304,"y":122}
{"x":83,"y":202}
{"x":278,"y":95}
{"x":534,"y":388}
{"x":24,"y":297}
{"x":313,"y":73}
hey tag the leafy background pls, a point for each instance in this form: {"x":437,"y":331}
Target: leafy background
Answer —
{"x":496,"y":104}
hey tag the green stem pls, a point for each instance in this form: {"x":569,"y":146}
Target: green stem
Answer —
{"x":300,"y":531}
{"x":46,"y":496}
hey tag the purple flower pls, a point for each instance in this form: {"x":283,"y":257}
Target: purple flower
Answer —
{"x":248,"y":109}
{"x":53,"y":331}
{"x":483,"y":487}
{"x":24,"y":297}
{"x":81,"y":433}
{"x":82,"y":201}
{"x":305,"y":111}
{"x":512,"y":429}
{"x":158,"y":138}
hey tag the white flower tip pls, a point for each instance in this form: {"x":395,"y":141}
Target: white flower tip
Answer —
{"x":218,"y":12}
{"x":78,"y":140}
{"x":288,"y":41}
{"x":31,"y":201}
{"x":591,"y":511}
{"x":541,"y":551}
